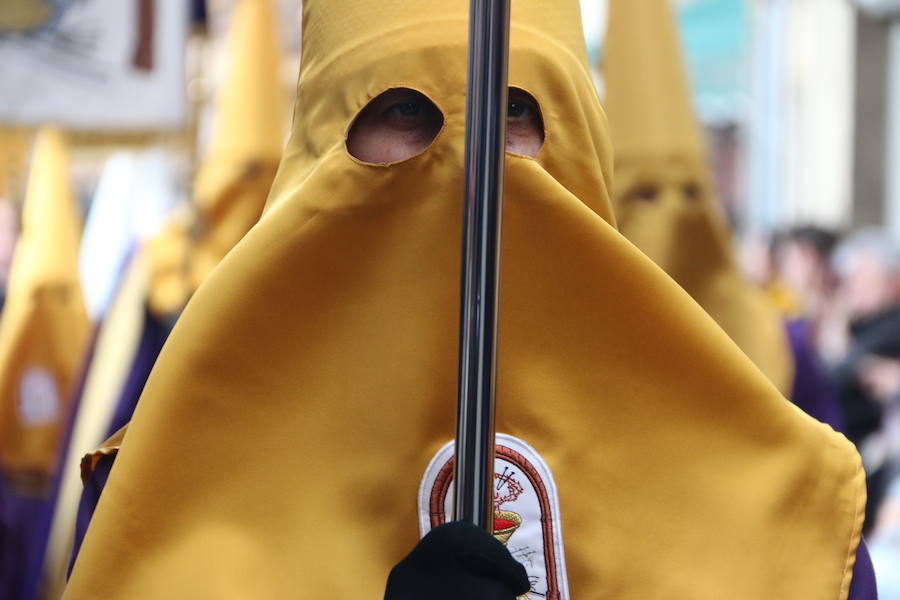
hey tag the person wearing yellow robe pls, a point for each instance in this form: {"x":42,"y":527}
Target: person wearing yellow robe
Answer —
{"x":664,"y":199}
{"x":279,"y":448}
{"x":43,"y":338}
{"x":13,"y":150}
{"x":234,"y":179}
{"x":44,"y":328}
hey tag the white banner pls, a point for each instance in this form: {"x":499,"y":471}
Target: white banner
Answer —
{"x":94,"y":64}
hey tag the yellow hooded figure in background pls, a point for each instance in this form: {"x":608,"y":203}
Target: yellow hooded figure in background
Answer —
{"x":234,"y":178}
{"x":13,"y":150}
{"x":292,"y":438}
{"x":664,"y":200}
{"x":44,"y":330}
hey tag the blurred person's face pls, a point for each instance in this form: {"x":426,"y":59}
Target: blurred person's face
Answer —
{"x":801,"y":269}
{"x":754,"y":259}
{"x":869,"y":286}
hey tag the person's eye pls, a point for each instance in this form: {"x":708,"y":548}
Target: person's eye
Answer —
{"x":519,"y":110}
{"x":408,"y":114}
{"x":691,"y":191}
{"x":525,"y":127}
{"x":644,"y":193}
{"x":406,"y":109}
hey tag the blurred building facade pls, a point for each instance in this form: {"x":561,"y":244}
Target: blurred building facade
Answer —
{"x":876,"y":161}
{"x":801,"y":114}
{"x":815,"y":106}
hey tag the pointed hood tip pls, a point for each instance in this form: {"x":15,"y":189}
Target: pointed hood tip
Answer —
{"x":643,"y":62}
{"x":251,"y":105}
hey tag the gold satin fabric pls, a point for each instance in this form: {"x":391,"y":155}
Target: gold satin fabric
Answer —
{"x":234,"y":179}
{"x":278,"y":447}
{"x":13,"y":150}
{"x":664,"y":200}
{"x":44,"y":329}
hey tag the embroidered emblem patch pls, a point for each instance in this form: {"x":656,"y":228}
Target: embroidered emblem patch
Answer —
{"x":526,"y":511}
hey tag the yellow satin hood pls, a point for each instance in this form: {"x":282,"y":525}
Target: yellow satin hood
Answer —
{"x":233,"y":182}
{"x":279,"y":445}
{"x":13,"y":145}
{"x":664,"y":200}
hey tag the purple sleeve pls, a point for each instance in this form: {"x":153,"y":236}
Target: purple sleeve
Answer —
{"x":812,"y":390}
{"x":862,"y":587}
{"x":152,"y":339}
{"x":90,"y":495}
{"x":24,"y":527}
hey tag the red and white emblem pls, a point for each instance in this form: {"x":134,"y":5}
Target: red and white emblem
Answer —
{"x":526,"y":511}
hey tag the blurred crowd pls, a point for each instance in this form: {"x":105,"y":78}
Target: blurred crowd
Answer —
{"x":841,"y":292}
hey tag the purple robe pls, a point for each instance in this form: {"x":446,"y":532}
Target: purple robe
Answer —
{"x":24,"y":527}
{"x":90,"y":496}
{"x":812,"y":391}
{"x":863,"y":587}
{"x":25,"y":519}
{"x":153,"y":336}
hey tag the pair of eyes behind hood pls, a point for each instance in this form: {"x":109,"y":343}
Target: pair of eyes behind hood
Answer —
{"x":401,"y":123}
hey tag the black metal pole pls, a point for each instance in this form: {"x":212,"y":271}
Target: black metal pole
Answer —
{"x":486,"y":107}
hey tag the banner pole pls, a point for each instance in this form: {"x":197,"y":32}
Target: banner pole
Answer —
{"x":486,"y":114}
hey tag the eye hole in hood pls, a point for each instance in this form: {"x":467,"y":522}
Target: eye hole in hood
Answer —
{"x":396,"y":125}
{"x":525,"y":124}
{"x":401,"y":123}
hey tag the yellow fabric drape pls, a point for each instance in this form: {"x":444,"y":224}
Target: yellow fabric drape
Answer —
{"x":234,"y":179}
{"x":664,"y":201}
{"x":278,"y":447}
{"x":13,"y":149}
{"x":44,"y":328}
{"x":24,"y":15}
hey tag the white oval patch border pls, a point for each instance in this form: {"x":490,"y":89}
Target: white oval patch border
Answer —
{"x":532,"y":537}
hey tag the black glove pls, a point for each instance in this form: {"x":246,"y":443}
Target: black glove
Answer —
{"x":457,"y":560}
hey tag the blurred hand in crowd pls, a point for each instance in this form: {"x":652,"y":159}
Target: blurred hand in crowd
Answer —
{"x":880,"y":377}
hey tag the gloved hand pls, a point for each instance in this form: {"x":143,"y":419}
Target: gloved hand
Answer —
{"x":457,"y":560}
